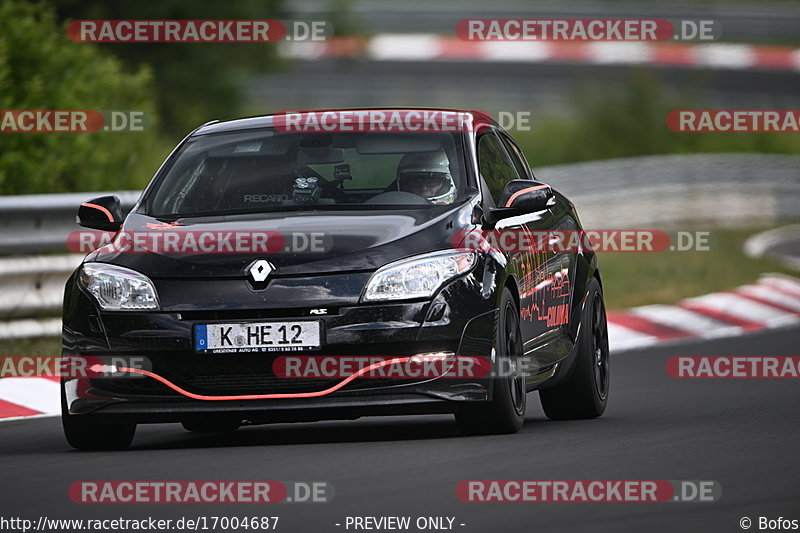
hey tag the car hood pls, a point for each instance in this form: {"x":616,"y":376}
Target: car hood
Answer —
{"x":345,"y":241}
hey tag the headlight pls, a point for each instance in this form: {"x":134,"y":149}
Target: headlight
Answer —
{"x":118,"y":289}
{"x":417,"y":277}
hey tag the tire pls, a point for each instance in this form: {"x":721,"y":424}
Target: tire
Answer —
{"x":203,"y":425}
{"x":505,"y":413}
{"x":83,"y":433}
{"x":585,"y":393}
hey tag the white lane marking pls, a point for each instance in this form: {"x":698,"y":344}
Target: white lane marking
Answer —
{"x":771,"y":294}
{"x":28,"y":417}
{"x":515,"y":51}
{"x":777,"y":280}
{"x":686,"y":320}
{"x":302,"y":49}
{"x":724,"y":55}
{"x":38,"y":394}
{"x":409,"y":47}
{"x":760,"y":243}
{"x":620,"y":52}
{"x":747,"y":309}
{"x":621,"y":338}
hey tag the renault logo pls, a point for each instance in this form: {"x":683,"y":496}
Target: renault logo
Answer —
{"x":258,"y":272}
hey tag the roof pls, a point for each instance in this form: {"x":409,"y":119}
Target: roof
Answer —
{"x":266,"y":121}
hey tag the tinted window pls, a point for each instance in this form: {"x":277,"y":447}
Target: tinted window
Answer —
{"x":517,"y":158}
{"x":267,"y":170}
{"x":494,"y":165}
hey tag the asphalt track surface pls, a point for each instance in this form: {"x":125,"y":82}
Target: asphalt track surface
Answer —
{"x":741,"y":433}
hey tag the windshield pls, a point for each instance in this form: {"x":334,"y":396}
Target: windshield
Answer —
{"x":268,"y":170}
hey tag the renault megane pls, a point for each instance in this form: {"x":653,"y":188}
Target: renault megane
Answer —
{"x":365,"y":256}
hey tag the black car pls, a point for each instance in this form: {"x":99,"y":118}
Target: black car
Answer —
{"x":366,"y":260}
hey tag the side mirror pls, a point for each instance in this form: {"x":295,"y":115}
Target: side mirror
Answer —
{"x":103,"y":213}
{"x":521,"y":197}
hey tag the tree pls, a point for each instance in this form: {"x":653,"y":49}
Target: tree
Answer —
{"x":41,"y":68}
{"x":195,"y":82}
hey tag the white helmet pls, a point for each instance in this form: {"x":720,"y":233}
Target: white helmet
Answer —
{"x":427,"y":174}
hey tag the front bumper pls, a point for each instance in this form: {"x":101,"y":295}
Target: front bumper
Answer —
{"x":459,"y":320}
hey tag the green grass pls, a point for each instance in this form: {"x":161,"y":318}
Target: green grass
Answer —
{"x":49,"y":346}
{"x":632,"y":279}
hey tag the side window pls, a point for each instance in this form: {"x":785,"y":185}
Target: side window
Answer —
{"x":494,"y":165}
{"x":518,"y":159}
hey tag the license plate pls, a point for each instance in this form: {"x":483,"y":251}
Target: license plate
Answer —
{"x":257,"y":337}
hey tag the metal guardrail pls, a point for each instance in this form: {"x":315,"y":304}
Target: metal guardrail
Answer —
{"x":30,"y":328}
{"x":671,"y":190}
{"x":41,"y":222}
{"x":33,"y":286}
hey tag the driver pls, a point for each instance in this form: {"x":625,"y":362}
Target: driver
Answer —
{"x":427,"y":174}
